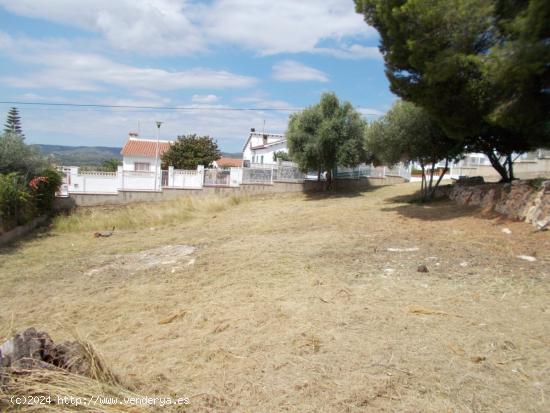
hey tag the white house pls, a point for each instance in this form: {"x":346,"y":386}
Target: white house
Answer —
{"x":260,"y":147}
{"x":141,"y":154}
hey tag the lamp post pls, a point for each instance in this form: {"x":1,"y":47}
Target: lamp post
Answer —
{"x":157,"y":155}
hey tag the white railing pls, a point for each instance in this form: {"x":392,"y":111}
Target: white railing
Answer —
{"x":257,"y":175}
{"x":288,"y":174}
{"x":111,"y":182}
{"x":217,"y":177}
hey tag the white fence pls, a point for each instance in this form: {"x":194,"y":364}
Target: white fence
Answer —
{"x":111,"y":182}
{"x":179,"y":178}
{"x":94,"y":182}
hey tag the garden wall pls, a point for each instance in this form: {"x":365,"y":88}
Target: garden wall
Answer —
{"x":520,"y":200}
{"x":127,"y":197}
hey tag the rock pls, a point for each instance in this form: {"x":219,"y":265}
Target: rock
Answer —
{"x":518,"y":200}
{"x":33,"y":349}
{"x":27,"y":344}
{"x":507,"y":231}
{"x":527,"y":258}
{"x":470,"y":180}
{"x":542,"y":225}
{"x":422,"y":268}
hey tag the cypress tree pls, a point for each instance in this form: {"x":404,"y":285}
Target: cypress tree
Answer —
{"x":13,"y":123}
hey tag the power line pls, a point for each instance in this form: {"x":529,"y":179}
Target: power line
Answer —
{"x":92,"y":105}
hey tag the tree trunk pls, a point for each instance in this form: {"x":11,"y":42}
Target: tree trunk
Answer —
{"x":440,"y":178}
{"x":510,"y":167}
{"x":499,"y":167}
{"x":329,"y":180}
{"x":423,"y":182}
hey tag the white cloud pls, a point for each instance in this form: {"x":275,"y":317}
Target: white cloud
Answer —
{"x":205,"y":98}
{"x":88,"y":72}
{"x":171,"y":27}
{"x":370,"y":113}
{"x":354,"y":51}
{"x":291,"y":71}
{"x":145,"y":26}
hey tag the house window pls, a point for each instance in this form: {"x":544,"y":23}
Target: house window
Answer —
{"x":142,"y":166}
{"x":265,"y":139}
{"x":262,"y":159}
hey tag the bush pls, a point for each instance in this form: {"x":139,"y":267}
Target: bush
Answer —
{"x":43,"y":189}
{"x":15,"y":201}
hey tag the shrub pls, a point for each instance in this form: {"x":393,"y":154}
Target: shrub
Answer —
{"x":15,"y":201}
{"x":43,"y":189}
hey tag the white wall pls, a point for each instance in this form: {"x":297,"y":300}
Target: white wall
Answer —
{"x":255,"y":155}
{"x":94,"y":182}
{"x":179,"y":178}
{"x":129,"y":161}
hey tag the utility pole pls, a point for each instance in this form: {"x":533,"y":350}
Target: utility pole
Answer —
{"x":157,"y":155}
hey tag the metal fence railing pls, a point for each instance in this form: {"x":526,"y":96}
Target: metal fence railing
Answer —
{"x":257,"y":176}
{"x":216,"y":177}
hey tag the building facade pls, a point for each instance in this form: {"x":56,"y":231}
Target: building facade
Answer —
{"x":260,"y":148}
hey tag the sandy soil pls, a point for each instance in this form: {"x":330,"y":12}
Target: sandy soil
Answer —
{"x":305,"y":303}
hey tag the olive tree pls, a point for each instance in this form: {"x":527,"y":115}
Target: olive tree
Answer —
{"x":408,"y":133}
{"x":326,"y":135}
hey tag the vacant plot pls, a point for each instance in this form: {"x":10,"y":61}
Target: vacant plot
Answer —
{"x":300,"y":303}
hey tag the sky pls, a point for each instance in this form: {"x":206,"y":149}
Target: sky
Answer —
{"x":203,"y":55}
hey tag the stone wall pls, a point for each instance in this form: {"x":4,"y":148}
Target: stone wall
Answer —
{"x":518,"y":200}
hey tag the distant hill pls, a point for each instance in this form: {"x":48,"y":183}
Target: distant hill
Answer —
{"x":91,"y":155}
{"x":80,"y":155}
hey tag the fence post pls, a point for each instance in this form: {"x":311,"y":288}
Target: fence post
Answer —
{"x":171,"y":176}
{"x":200,"y":170}
{"x":120,"y":177}
{"x":271,"y":175}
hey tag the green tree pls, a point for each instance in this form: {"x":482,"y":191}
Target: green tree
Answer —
{"x":13,"y":123}
{"x":326,"y":135}
{"x":111,"y":165}
{"x":43,"y":188}
{"x":408,"y":133}
{"x":282,"y":156}
{"x":16,"y":156}
{"x":190,"y":151}
{"x":15,"y":201}
{"x":449,"y":56}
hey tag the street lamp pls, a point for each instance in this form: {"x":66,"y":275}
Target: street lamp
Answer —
{"x":157,"y":155}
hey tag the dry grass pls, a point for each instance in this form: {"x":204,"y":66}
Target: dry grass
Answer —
{"x":295,"y":303}
{"x":53,"y":383}
{"x":136,"y":216}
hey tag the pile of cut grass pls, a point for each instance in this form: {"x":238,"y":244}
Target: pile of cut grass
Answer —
{"x":58,"y":390}
{"x":143,"y":215}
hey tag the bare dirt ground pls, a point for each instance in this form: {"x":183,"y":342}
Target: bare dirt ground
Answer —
{"x":305,"y":303}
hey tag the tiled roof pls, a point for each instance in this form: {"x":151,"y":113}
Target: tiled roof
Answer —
{"x":229,"y":162}
{"x":143,"y":147}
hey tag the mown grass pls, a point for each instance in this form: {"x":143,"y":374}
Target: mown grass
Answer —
{"x":143,"y":215}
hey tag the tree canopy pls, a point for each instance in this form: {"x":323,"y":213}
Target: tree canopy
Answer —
{"x":479,"y":66}
{"x":187,"y":152}
{"x":16,"y":156}
{"x":326,"y":135}
{"x":408,"y":133}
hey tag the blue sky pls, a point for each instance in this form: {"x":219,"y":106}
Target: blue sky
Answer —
{"x":201,"y":54}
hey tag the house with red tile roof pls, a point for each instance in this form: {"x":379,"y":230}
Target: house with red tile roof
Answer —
{"x":225,"y":163}
{"x":141,"y":154}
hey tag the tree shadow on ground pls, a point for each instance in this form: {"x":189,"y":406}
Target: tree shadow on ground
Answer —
{"x":41,"y":231}
{"x":317,"y":195}
{"x":440,"y":209}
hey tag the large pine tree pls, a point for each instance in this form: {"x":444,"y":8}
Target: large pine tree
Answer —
{"x":13,"y":123}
